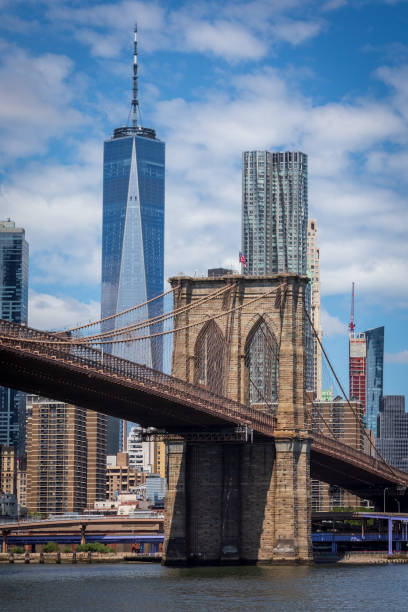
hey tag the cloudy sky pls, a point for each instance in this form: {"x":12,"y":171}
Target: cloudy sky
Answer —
{"x":329,"y":78}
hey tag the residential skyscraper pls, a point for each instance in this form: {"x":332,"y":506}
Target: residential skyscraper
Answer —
{"x":313,"y":272}
{"x":133,"y":233}
{"x":357,"y":367}
{"x":274,"y":212}
{"x":392,"y":431}
{"x":13,"y":307}
{"x":66,"y":456}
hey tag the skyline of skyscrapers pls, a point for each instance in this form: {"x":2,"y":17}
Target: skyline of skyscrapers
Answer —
{"x":132,"y":235}
{"x":13,"y":307}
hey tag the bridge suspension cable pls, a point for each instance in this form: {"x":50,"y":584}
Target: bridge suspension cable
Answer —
{"x":157,"y":319}
{"x":119,"y":314}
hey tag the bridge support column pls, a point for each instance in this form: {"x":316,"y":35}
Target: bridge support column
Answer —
{"x":238,"y":502}
{"x":292,"y":500}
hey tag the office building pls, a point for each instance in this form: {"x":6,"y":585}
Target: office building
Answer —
{"x":62,"y":449}
{"x":366,"y":367}
{"x":145,"y":455}
{"x":133,"y":234}
{"x":313,"y":272}
{"x":374,"y":375}
{"x":392,"y":431}
{"x":13,"y":307}
{"x":8,"y":470}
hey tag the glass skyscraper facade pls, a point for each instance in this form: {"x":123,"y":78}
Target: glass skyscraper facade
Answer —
{"x":133,"y":238}
{"x":374,"y":375}
{"x":392,"y":431}
{"x":13,"y":307}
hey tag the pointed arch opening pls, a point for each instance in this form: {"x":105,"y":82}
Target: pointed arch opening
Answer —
{"x":209,"y":356}
{"x":262,"y":365}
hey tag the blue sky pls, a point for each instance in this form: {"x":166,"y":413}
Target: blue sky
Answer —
{"x":327,"y":77}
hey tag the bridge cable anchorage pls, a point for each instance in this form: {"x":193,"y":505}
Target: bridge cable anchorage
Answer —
{"x":377,"y":452}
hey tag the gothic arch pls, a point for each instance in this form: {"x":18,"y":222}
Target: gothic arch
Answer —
{"x":209,"y":358}
{"x":261,"y":364}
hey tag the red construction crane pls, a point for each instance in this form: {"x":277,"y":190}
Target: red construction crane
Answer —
{"x":351,"y":324}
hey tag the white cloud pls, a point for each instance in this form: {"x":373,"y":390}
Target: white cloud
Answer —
{"x":333,"y":5}
{"x":54,"y":313}
{"x":401,"y":357}
{"x":230,"y":41}
{"x":296,"y":32}
{"x":233,"y":31}
{"x":332,"y":326}
{"x":60,"y":208}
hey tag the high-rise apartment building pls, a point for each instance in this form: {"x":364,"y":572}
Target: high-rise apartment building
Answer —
{"x":313,"y":272}
{"x":96,"y":457}
{"x":392,"y":431}
{"x":366,"y":367}
{"x":13,"y":307}
{"x":63,"y":448}
{"x":133,"y":233}
{"x":274,"y":212}
{"x":357,"y":367}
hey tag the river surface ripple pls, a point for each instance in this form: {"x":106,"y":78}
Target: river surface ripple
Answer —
{"x":150,"y":587}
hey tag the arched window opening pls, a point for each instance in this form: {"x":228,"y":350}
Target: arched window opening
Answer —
{"x":209,"y":358}
{"x":263,"y":366}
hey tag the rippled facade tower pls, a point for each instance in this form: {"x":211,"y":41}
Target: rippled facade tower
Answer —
{"x":133,"y":233}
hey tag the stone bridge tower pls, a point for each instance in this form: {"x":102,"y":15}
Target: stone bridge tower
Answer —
{"x":231,"y":499}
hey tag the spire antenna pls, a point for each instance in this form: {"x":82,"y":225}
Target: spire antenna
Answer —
{"x":135,"y":101}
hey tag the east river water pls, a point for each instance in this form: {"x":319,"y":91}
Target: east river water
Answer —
{"x":150,"y":587}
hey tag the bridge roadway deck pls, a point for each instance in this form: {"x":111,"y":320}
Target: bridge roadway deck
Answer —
{"x":37,"y":362}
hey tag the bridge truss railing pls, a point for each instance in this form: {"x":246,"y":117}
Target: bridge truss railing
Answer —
{"x":56,"y":347}
{"x":339,"y":450}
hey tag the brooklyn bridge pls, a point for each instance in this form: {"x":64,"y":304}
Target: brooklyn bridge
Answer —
{"x":244,"y":436}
